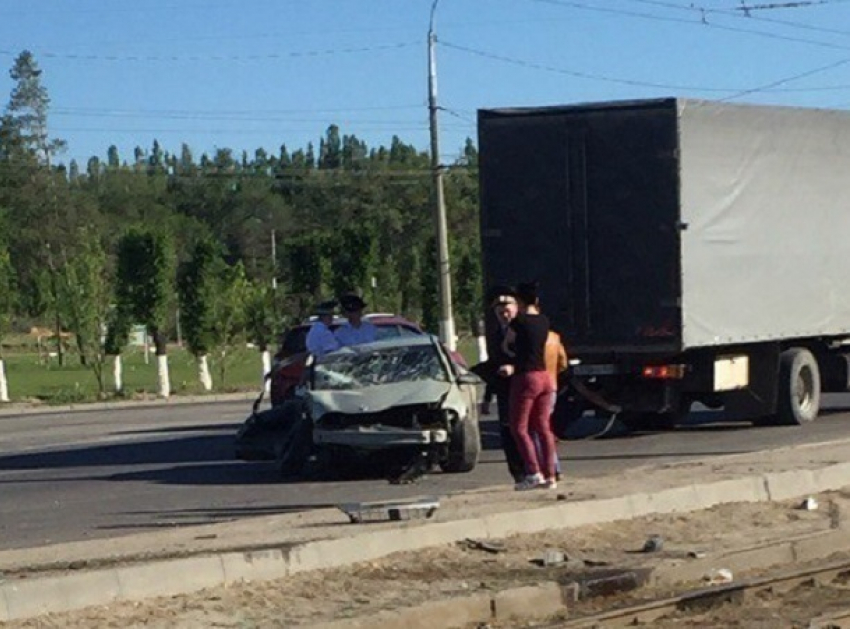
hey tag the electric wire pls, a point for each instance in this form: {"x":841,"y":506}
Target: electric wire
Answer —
{"x":702,"y":23}
{"x":738,"y":12}
{"x":252,"y":57}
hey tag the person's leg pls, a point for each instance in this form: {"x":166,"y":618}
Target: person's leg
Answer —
{"x":521,"y":403}
{"x":516,"y":466}
{"x":551,"y":417}
{"x":539,"y":416}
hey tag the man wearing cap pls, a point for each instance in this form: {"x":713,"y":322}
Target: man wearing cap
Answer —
{"x":504,"y":308}
{"x":320,"y":339}
{"x":355,"y":331}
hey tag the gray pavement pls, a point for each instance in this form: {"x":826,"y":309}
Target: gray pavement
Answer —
{"x":99,"y":474}
{"x":165,"y":563}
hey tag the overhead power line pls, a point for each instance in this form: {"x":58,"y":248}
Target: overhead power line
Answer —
{"x":108,"y":111}
{"x":411,"y":126}
{"x":698,"y":22}
{"x":747,"y":9}
{"x":735,"y":12}
{"x":578,"y":73}
{"x":736,"y":92}
{"x":252,"y":57}
{"x":789,"y":79}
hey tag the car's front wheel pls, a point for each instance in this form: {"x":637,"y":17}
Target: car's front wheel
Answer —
{"x":464,"y":447}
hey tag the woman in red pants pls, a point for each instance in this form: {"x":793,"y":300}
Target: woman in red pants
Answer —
{"x":531,"y":390}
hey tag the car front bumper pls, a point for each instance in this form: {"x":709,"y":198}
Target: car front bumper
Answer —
{"x":379,"y":437}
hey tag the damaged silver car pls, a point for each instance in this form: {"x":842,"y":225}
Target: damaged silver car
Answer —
{"x":403,"y":397}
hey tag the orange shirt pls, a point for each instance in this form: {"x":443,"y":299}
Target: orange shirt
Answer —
{"x":555,"y":356}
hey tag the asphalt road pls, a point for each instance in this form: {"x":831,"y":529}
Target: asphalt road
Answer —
{"x":96,"y":474}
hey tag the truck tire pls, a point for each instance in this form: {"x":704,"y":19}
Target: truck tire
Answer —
{"x":464,"y":447}
{"x":799,"y":387}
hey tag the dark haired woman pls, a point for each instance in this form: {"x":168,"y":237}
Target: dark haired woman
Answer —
{"x":531,"y":390}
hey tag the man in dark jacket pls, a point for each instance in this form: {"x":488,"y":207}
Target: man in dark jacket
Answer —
{"x":503,"y":308}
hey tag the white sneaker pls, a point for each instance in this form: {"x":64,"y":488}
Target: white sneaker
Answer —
{"x":532,"y":481}
{"x":549,"y":483}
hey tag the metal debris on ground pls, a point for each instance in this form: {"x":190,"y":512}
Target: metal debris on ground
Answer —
{"x":653,"y":544}
{"x":809,"y":504}
{"x":417,"y":467}
{"x":552,"y":557}
{"x":490,"y":547}
{"x":719,"y":576}
{"x":415,"y":509}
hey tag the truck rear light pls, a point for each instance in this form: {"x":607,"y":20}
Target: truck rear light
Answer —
{"x":664,"y":372}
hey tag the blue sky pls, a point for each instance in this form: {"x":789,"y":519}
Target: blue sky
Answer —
{"x":261,"y":73}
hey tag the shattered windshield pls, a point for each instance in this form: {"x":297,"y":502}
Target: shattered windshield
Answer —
{"x":354,"y":370}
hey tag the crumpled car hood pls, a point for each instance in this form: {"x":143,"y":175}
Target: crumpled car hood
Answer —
{"x":380,"y":398}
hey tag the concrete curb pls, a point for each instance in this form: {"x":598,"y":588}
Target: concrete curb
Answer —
{"x":15,"y":410}
{"x":39,"y":595}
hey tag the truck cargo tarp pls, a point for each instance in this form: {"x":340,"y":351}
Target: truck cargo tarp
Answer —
{"x":766,"y":215}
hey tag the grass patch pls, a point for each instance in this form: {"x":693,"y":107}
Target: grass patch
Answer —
{"x":37,"y":378}
{"x":34,"y":378}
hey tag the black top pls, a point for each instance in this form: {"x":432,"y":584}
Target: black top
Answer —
{"x":531,"y":332}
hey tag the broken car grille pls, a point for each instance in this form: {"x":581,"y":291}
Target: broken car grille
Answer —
{"x":419,"y":416}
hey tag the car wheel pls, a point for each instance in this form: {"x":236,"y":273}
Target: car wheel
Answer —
{"x":464,"y":447}
{"x":295,"y":449}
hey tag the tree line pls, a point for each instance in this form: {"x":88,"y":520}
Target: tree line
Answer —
{"x":230,"y":248}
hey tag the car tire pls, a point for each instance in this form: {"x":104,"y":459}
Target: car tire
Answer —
{"x":464,"y":447}
{"x":294,"y":451}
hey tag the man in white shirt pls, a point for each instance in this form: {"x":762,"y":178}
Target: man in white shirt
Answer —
{"x":320,"y":339}
{"x":355,"y":331}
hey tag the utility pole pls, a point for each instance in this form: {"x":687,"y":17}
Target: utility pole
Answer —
{"x":447,"y":326}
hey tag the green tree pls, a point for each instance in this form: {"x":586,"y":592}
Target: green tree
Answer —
{"x":355,"y":256}
{"x":118,"y":324}
{"x":468,"y":287}
{"x":28,"y":107}
{"x":112,"y":159}
{"x":229,"y":313}
{"x":307,"y":266}
{"x":330,"y":149}
{"x":7,"y":306}
{"x":145,"y":285}
{"x":198,"y":289}
{"x":30,"y":188}
{"x":261,"y":322}
{"x":85,"y":294}
{"x":429,"y":285}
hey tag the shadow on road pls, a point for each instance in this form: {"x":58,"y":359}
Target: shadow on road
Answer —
{"x":196,"y":448}
{"x":230,"y":428}
{"x":177,"y":518}
{"x":208,"y":459}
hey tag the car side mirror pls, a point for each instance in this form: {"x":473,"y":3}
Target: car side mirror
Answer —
{"x":469,"y":378}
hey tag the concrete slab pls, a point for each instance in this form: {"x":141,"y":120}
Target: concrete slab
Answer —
{"x":25,"y":599}
{"x":255,"y":565}
{"x":166,"y":578}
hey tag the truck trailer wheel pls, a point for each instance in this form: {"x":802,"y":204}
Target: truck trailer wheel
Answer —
{"x":799,"y":387}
